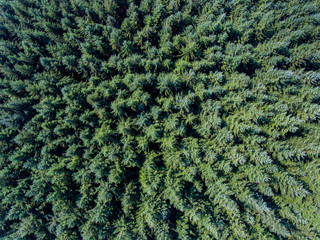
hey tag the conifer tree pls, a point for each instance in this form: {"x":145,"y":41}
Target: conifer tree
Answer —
{"x":159,"y":119}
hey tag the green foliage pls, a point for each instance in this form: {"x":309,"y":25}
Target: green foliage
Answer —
{"x":159,"y":119}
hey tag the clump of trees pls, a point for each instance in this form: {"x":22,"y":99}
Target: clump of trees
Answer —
{"x":159,"y":119}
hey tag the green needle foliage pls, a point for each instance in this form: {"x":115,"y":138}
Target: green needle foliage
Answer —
{"x":159,"y":119}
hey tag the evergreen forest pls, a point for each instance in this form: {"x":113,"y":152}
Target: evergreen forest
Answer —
{"x":160,"y":119}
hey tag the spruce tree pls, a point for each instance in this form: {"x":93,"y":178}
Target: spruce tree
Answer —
{"x":159,"y":119}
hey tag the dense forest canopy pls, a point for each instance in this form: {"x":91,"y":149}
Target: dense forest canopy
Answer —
{"x":159,"y":119}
